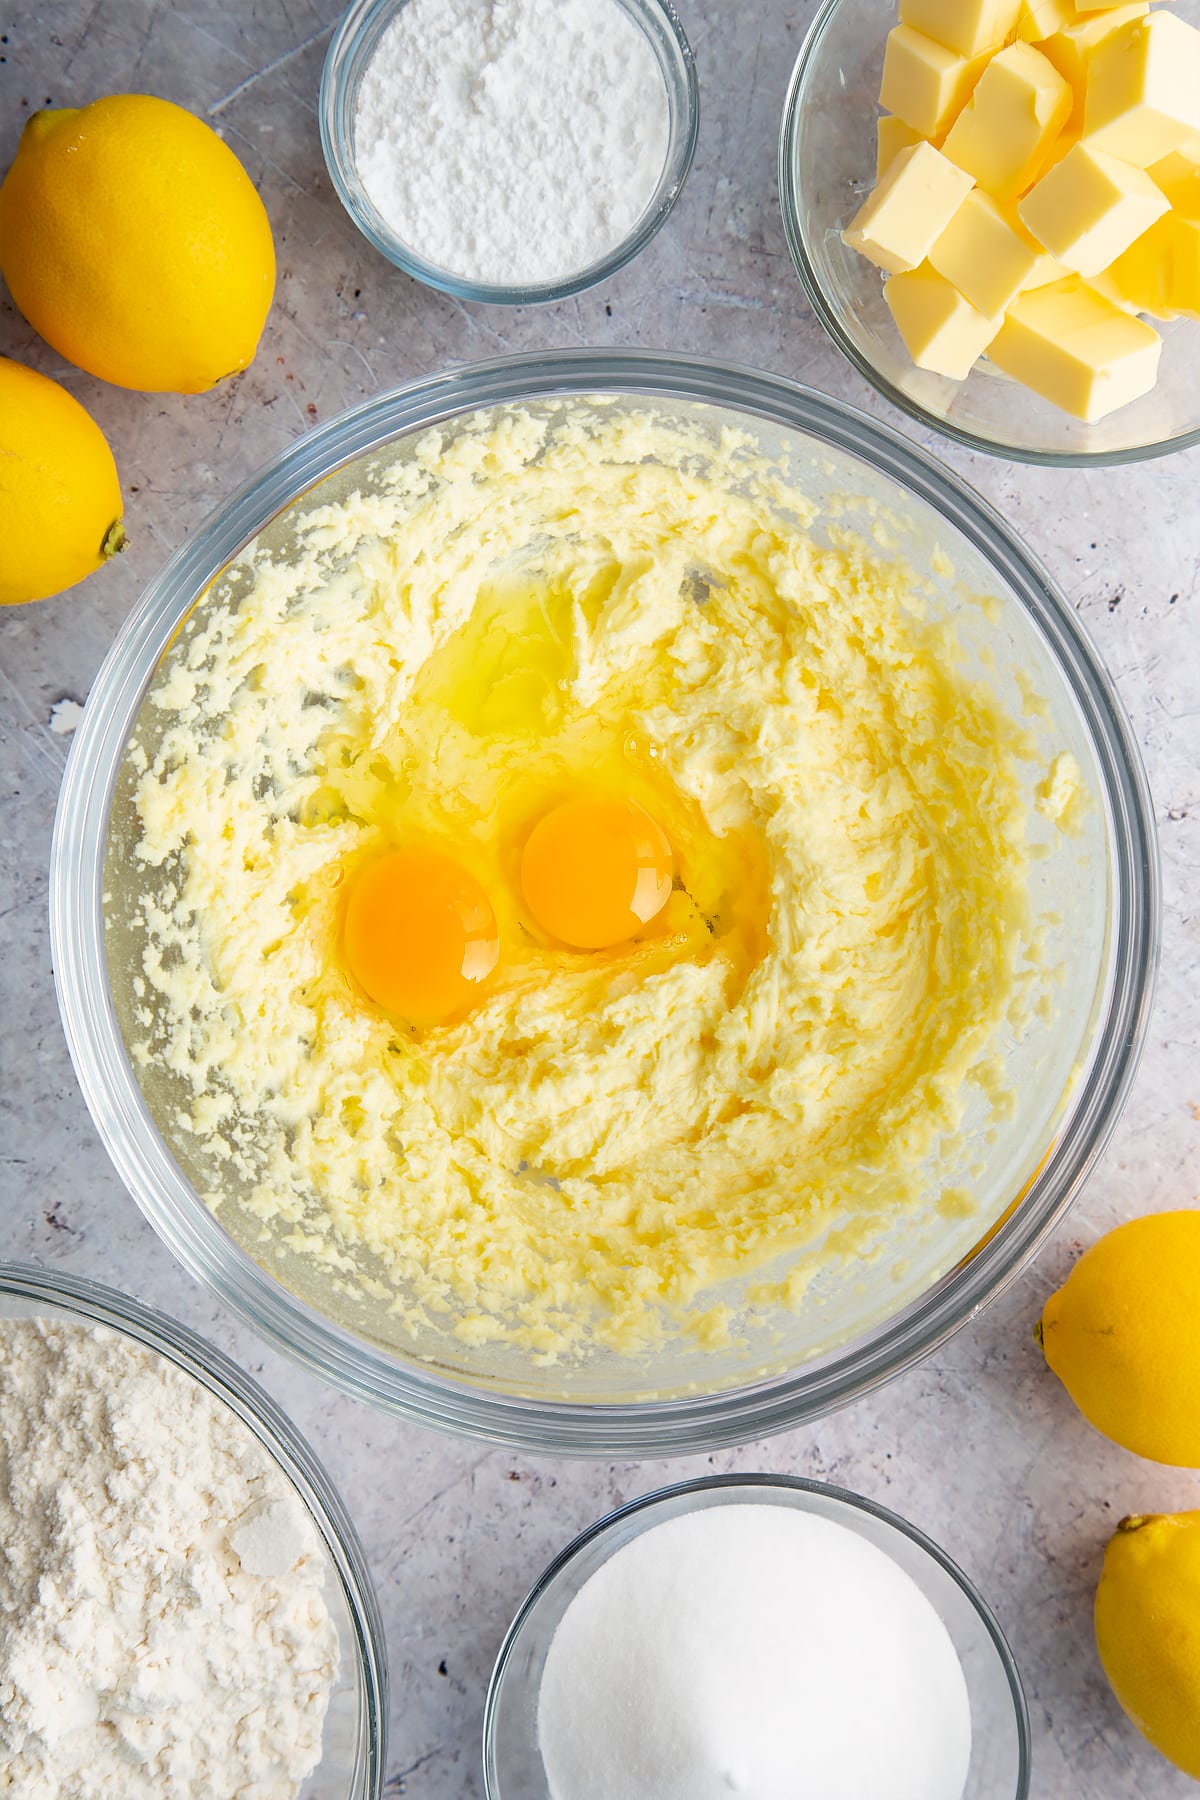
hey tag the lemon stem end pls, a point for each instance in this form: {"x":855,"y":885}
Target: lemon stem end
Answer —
{"x":45,"y":120}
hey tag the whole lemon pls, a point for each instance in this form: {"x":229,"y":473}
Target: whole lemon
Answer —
{"x":134,"y":241}
{"x":1148,"y":1630}
{"x":1123,"y":1335}
{"x":60,"y":500}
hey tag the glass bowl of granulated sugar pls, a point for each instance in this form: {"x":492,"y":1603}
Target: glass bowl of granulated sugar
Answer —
{"x":509,"y":153}
{"x":758,"y":1635}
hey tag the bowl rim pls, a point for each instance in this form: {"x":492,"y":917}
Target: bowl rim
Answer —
{"x":796,"y":1485}
{"x":195,"y":1357}
{"x":789,"y":188}
{"x":678,"y":1424}
{"x":349,"y":48}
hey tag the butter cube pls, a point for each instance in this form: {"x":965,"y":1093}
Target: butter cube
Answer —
{"x":1095,"y":6}
{"x":913,"y":203}
{"x":925,"y":84}
{"x":966,"y":26}
{"x":1143,"y":91}
{"x":1104,"y":285}
{"x":1003,"y":135}
{"x":983,"y":256}
{"x":1046,"y":268}
{"x":942,"y":332}
{"x":1160,"y":273}
{"x":1077,"y":349}
{"x":892,"y":135}
{"x":1072,"y":47}
{"x":1182,"y":239}
{"x":1090,"y":207}
{"x":1179,"y":179}
{"x":1040,"y":19}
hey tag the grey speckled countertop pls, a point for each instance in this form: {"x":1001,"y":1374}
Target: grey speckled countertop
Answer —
{"x":979,"y":1446}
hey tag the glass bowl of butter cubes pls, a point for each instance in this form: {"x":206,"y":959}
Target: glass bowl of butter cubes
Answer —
{"x":994,"y":207}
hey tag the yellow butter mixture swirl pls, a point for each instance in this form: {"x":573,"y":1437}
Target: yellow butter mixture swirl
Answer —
{"x":597,"y":1139}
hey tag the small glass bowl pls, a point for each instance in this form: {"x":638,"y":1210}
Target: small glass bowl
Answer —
{"x":351,"y":49}
{"x":353,"y":1755}
{"x":826,"y":170}
{"x":1000,"y":1747}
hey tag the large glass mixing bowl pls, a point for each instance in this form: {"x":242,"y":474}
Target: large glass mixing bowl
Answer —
{"x":862,"y":1319}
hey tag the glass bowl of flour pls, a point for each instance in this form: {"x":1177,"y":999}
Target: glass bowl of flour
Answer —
{"x":189,"y":1607}
{"x":763,"y":1634}
{"x":514,"y":153}
{"x":677,"y":1194}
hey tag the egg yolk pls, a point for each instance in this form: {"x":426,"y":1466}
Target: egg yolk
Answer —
{"x":420,"y":935}
{"x":595,"y":871}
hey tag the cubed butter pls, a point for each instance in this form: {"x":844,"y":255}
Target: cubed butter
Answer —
{"x":925,"y":84}
{"x":1090,"y":207}
{"x":965,"y":26}
{"x":1040,"y":19}
{"x":1005,"y":132}
{"x":1143,"y":90}
{"x":981,"y":253}
{"x":1104,"y":285}
{"x":942,"y":332}
{"x":891,"y":136}
{"x":1160,"y":273}
{"x":1071,"y":48}
{"x":1182,"y":237}
{"x":1077,"y":349}
{"x":1091,"y":7}
{"x":1179,"y":179}
{"x":913,"y":203}
{"x":1046,"y":268}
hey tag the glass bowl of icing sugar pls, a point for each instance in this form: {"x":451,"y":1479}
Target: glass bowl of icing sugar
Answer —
{"x":756,"y":1635}
{"x":509,"y":154}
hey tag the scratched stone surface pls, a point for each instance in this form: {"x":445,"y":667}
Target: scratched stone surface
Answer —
{"x":979,"y":1445}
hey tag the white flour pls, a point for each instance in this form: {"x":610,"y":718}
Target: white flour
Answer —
{"x":162,"y":1626}
{"x":753,"y":1651}
{"x":512,"y":141}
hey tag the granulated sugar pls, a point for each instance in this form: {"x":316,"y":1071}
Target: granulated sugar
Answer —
{"x":756,"y":1651}
{"x":512,"y":141}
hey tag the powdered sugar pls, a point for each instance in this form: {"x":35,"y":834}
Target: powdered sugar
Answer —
{"x":512,"y":141}
{"x":162,"y":1625}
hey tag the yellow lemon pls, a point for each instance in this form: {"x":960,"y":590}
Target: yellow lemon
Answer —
{"x":1123,"y":1335}
{"x":60,"y":501}
{"x":1148,"y":1630}
{"x":134,"y":241}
